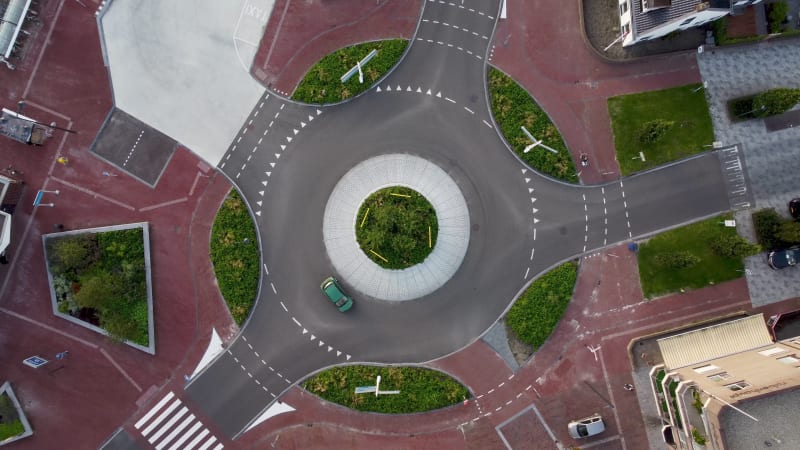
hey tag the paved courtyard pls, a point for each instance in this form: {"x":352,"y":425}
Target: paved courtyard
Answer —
{"x":771,"y":157}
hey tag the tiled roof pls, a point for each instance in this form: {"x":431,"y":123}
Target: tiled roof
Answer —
{"x":713,"y":342}
{"x":644,"y":21}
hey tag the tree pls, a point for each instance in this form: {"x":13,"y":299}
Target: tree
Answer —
{"x":734,"y":246}
{"x":790,"y":232}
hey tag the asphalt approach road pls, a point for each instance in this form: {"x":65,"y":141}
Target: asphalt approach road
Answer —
{"x":288,"y":158}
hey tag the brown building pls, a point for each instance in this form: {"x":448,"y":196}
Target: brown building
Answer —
{"x":729,"y":386}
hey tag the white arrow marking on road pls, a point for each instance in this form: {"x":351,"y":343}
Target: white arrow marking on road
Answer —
{"x":439,"y":94}
{"x":261,"y":193}
{"x":295,"y":130}
{"x":527,"y":180}
{"x":305,"y":331}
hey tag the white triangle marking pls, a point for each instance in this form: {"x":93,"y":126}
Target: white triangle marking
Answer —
{"x":305,"y":331}
{"x":302,"y":124}
{"x":338,"y":353}
{"x":379,"y":89}
{"x":527,"y":180}
{"x":313,"y":337}
{"x":330,"y":348}
{"x":389,"y":88}
{"x":533,"y":200}
{"x":277,"y":155}
{"x":419,"y":90}
{"x":408,"y":89}
{"x":439,"y":94}
{"x":264,"y":183}
{"x":399,"y":88}
{"x":261,"y":193}
{"x":268,"y":173}
{"x":272,"y":164}
{"x":348,"y":357}
{"x":310,"y":118}
{"x":258,"y":213}
{"x":283,"y":147}
{"x":319,"y":112}
{"x":530,"y":190}
{"x":535,"y":220}
{"x":524,"y":171}
{"x":289,"y":138}
{"x":535,"y":210}
{"x":429,"y":92}
{"x":321,"y":344}
{"x":258,"y":203}
{"x":295,"y":131}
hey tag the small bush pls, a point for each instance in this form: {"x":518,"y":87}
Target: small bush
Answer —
{"x":777,"y":15}
{"x":742,"y":108}
{"x":680,"y":259}
{"x":790,"y":232}
{"x":697,"y":403}
{"x":775,"y":101}
{"x":652,"y":131}
{"x":734,"y":246}
{"x":720,"y":30}
{"x":698,"y":437}
{"x":773,"y":231}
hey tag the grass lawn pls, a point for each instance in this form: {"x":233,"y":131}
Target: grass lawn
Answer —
{"x":10,"y":425}
{"x":101,"y":279}
{"x":396,"y":227}
{"x":537,"y":311}
{"x":322,"y":85}
{"x":635,"y":118}
{"x":512,"y":108}
{"x":234,"y":254}
{"x":420,"y":389}
{"x":658,"y":279}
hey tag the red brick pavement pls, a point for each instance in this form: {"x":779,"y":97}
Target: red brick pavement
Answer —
{"x":292,"y":43}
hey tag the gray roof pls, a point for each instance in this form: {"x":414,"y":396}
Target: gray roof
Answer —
{"x":644,"y":21}
{"x":777,"y":422}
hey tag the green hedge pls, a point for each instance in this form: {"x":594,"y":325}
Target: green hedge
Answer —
{"x":537,"y":311}
{"x":763,"y":104}
{"x":775,"y":232}
{"x":512,"y":108}
{"x":322,"y":82}
{"x":420,"y":389}
{"x":234,"y":254}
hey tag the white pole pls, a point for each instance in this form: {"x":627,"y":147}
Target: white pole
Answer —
{"x":377,"y":385}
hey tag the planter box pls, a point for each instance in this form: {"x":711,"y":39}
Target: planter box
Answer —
{"x":146,"y":244}
{"x":5,"y":389}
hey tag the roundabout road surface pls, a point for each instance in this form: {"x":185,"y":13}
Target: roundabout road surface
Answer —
{"x":288,"y":158}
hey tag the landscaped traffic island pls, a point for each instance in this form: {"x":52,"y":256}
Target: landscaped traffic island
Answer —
{"x":13,"y":423}
{"x":420,"y":389}
{"x":396,"y":227}
{"x":100,"y":279}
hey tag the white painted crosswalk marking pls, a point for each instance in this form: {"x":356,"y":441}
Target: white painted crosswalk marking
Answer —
{"x":196,"y":440}
{"x":152,"y":439}
{"x":208,"y":443}
{"x":170,"y":437}
{"x":186,"y":436}
{"x":154,"y":410}
{"x":161,"y":417}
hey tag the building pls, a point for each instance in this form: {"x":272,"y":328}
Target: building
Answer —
{"x":643,"y":20}
{"x":727,"y":386}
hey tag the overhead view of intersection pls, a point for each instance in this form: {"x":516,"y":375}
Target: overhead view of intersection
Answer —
{"x":150,"y":113}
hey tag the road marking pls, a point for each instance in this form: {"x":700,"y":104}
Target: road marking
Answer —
{"x":526,"y":273}
{"x":154,"y":409}
{"x":273,"y":288}
{"x":295,"y":321}
{"x":449,"y":100}
{"x":469,"y":110}
{"x":488,"y":124}
{"x":284,"y":307}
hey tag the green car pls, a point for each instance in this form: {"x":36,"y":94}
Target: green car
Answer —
{"x":335,"y":294}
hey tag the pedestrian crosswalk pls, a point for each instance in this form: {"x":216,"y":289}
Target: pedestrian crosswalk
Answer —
{"x":170,"y":426}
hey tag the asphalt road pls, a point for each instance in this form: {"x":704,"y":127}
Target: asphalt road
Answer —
{"x":288,"y":158}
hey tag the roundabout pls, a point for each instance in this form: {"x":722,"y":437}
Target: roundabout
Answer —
{"x":343,"y":217}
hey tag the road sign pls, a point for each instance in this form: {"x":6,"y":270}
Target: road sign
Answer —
{"x":35,"y":361}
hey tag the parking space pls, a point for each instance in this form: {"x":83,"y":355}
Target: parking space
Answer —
{"x":134,"y":147}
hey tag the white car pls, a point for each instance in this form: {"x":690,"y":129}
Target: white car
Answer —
{"x":590,"y":426}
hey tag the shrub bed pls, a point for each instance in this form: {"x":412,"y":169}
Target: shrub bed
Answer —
{"x":537,"y":311}
{"x":10,"y":425}
{"x":692,"y":257}
{"x":100,"y":278}
{"x":763,"y":104}
{"x":396,"y":227}
{"x":322,"y":82}
{"x":420,"y":389}
{"x":775,"y":232}
{"x":234,"y":254}
{"x":512,"y":108}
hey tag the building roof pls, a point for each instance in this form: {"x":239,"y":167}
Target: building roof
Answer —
{"x":644,"y":21}
{"x":777,"y":422}
{"x":712,"y":342}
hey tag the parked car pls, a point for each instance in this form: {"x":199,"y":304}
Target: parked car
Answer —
{"x":590,"y":426}
{"x":331,"y":288}
{"x":794,"y":208}
{"x":781,"y":259}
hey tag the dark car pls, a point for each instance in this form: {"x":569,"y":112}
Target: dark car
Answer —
{"x":794,"y":208}
{"x":781,"y":259}
{"x":335,"y":294}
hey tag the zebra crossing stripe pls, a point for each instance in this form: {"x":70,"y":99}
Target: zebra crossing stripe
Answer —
{"x":161,"y":417}
{"x":185,"y":436}
{"x":168,"y":425}
{"x":175,"y":432}
{"x":208,"y":443}
{"x":197,"y":439}
{"x":154,"y":410}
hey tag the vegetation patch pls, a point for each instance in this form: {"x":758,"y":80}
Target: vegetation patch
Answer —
{"x":322,"y":83}
{"x":692,"y":257}
{"x":100,"y":278}
{"x":10,"y":425}
{"x":420,"y":389}
{"x":396,"y":227}
{"x":234,"y":254}
{"x":763,"y":104}
{"x":513,"y":108}
{"x":777,"y":15}
{"x":537,"y":311}
{"x":775,"y":232}
{"x":664,"y":125}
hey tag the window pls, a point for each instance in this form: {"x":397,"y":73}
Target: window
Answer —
{"x":719,"y":376}
{"x":791,"y":359}
{"x":706,"y":368}
{"x":771,"y":351}
{"x":623,"y":8}
{"x":626,"y":28}
{"x":738,"y":386}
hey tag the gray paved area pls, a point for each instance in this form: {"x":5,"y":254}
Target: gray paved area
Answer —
{"x":133,"y":147}
{"x":340,"y":220}
{"x":182,"y":67}
{"x":771,"y":157}
{"x":776,"y":426}
{"x":497,"y":338}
